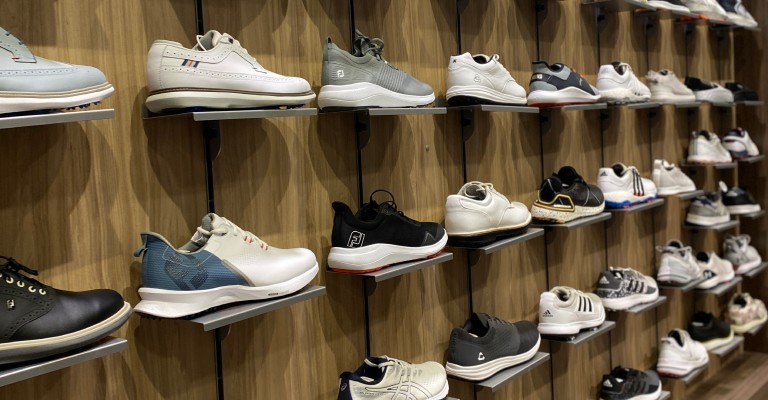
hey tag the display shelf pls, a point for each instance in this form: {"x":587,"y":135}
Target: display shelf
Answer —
{"x":503,"y":377}
{"x":689,"y":195}
{"x":752,"y":160}
{"x":620,"y":5}
{"x":717,"y":228}
{"x":20,"y":121}
{"x":532,"y":233}
{"x":406,"y":111}
{"x":407,"y":267}
{"x":757,"y":271}
{"x":690,"y":104}
{"x":750,"y":103}
{"x":723,"y":351}
{"x":498,"y":108}
{"x":223,"y":115}
{"x":584,"y":107}
{"x":237,"y":313}
{"x":584,"y":336}
{"x":684,"y":288}
{"x":724,"y":287}
{"x":728,"y":165}
{"x":647,"y":306}
{"x":752,"y":215}
{"x":754,"y":331}
{"x":691,"y":375}
{"x":723,"y":105}
{"x":577,"y":223}
{"x":639,"y":207}
{"x":665,"y":395}
{"x":678,"y":13}
{"x":19,"y":372}
{"x":643,"y":106}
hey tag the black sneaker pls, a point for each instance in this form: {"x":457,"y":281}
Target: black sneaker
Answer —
{"x":621,"y":289}
{"x":486,"y":345}
{"x":559,"y":85}
{"x":379,"y":235}
{"x":741,"y":92}
{"x":627,"y":384}
{"x":40,"y":321}
{"x":710,"y":331}
{"x":740,"y":201}
{"x":565,"y":196}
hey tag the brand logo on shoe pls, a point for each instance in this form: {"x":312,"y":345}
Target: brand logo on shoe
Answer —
{"x":607,"y":383}
{"x":477,"y":78}
{"x":604,"y":174}
{"x":10,"y":304}
{"x":343,"y":387}
{"x":547,"y":314}
{"x":538,"y":76}
{"x":708,"y":274}
{"x":481,"y":357}
{"x":186,"y":272}
{"x":604,"y":281}
{"x":340,"y":73}
{"x":356,"y":239}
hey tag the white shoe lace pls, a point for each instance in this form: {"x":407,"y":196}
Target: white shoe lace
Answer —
{"x":228,"y":226}
{"x":235,"y":43}
{"x":484,"y":187}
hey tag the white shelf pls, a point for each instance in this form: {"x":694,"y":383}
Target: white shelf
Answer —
{"x":723,"y":288}
{"x":723,"y":351}
{"x":583,"y":336}
{"x":20,"y":372}
{"x":237,"y":313}
{"x":532,"y":233}
{"x":756,"y":329}
{"x":584,"y":107}
{"x":647,"y":306}
{"x":752,"y":160}
{"x":55,"y":118}
{"x":504,"y":377}
{"x":577,"y":223}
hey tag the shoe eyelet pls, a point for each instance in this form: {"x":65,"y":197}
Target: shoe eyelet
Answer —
{"x":32,"y":289}
{"x":20,"y":283}
{"x":9,"y":280}
{"x":42,"y":291}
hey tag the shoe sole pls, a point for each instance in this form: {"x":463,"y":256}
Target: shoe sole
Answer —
{"x":469,"y":95}
{"x":377,"y":256}
{"x":561,"y":217}
{"x":673,"y":190}
{"x":571,"y":328}
{"x":12,"y":102}
{"x":746,"y":267}
{"x":748,"y":326}
{"x":625,"y":200}
{"x":562,"y":97}
{"x":621,"y":96}
{"x":27,"y":350}
{"x":629,"y":301}
{"x":488,"y":369}
{"x":478,"y":239}
{"x":217,"y":99}
{"x":706,"y":221}
{"x":719,"y":342}
{"x":679,"y":369}
{"x":744,"y":209}
{"x":367,"y":95}
{"x":667,"y":97}
{"x":713,"y":96}
{"x":696,"y":159}
{"x":710,"y":283}
{"x":179,"y":303}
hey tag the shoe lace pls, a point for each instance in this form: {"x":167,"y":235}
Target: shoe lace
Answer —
{"x":390,"y":205}
{"x":374,"y":46}
{"x":483,"y":187}
{"x":637,"y":182}
{"x":235,"y":43}
{"x":12,"y":271}
{"x":21,"y":42}
{"x":228,"y":226}
{"x":406,"y":370}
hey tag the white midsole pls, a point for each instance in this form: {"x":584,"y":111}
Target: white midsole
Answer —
{"x":744,"y":209}
{"x":622,"y":95}
{"x":706,"y":221}
{"x":629,"y":301}
{"x":570,"y":328}
{"x":720,"y":342}
{"x":157,"y":103}
{"x":485,"y":93}
{"x":665,"y":96}
{"x":486,"y":370}
{"x":680,"y":367}
{"x":623,"y":196}
{"x":705,"y":159}
{"x":650,"y":396}
{"x":716,"y":280}
{"x":13,"y":104}
{"x":366,"y":94}
{"x":667,"y":6}
{"x":749,"y":325}
{"x":748,"y":266}
{"x":562,"y":96}
{"x":564,"y":216}
{"x":492,"y":230}
{"x":379,"y":255}
{"x":178,"y":303}
{"x":715,"y":96}
{"x":673,"y":190}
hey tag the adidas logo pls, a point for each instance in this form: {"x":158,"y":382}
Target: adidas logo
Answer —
{"x":547,"y":314}
{"x":604,"y":281}
{"x":604,"y":174}
{"x":481,"y":357}
{"x":607,"y":383}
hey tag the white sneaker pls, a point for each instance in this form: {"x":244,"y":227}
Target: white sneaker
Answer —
{"x":705,"y":148}
{"x":480,"y":79}
{"x":749,"y":20}
{"x":623,"y":186}
{"x":714,"y":269}
{"x":618,"y":84}
{"x":216,"y":73}
{"x":679,"y":355}
{"x":566,"y":311}
{"x":221,"y":264}
{"x":745,"y":313}
{"x":386,"y":378}
{"x":670,"y":180}
{"x":667,"y":89}
{"x":479,"y":215}
{"x":737,"y":250}
{"x":678,"y":266}
{"x":708,"y":8}
{"x":709,"y":92}
{"x":739,"y":144}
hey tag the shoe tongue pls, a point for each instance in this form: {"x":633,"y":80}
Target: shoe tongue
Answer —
{"x":210,"y":40}
{"x":619,"y":168}
{"x":620,"y":67}
{"x":569,"y":176}
{"x":474,"y":191}
{"x":481,"y":58}
{"x":675,"y":243}
{"x":675,"y":334}
{"x":369,"y":211}
{"x":210,"y":222}
{"x":482,"y":319}
{"x":665,"y":72}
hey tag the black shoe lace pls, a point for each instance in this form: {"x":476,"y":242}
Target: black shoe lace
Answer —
{"x":12,"y":271}
{"x":389,"y":205}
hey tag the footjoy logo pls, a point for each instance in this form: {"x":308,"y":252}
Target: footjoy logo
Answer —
{"x":477,"y":78}
{"x":10,"y":304}
{"x":481,"y":357}
{"x":340,"y":73}
{"x":547,"y":314}
{"x":356,"y":239}
{"x":604,"y":281}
